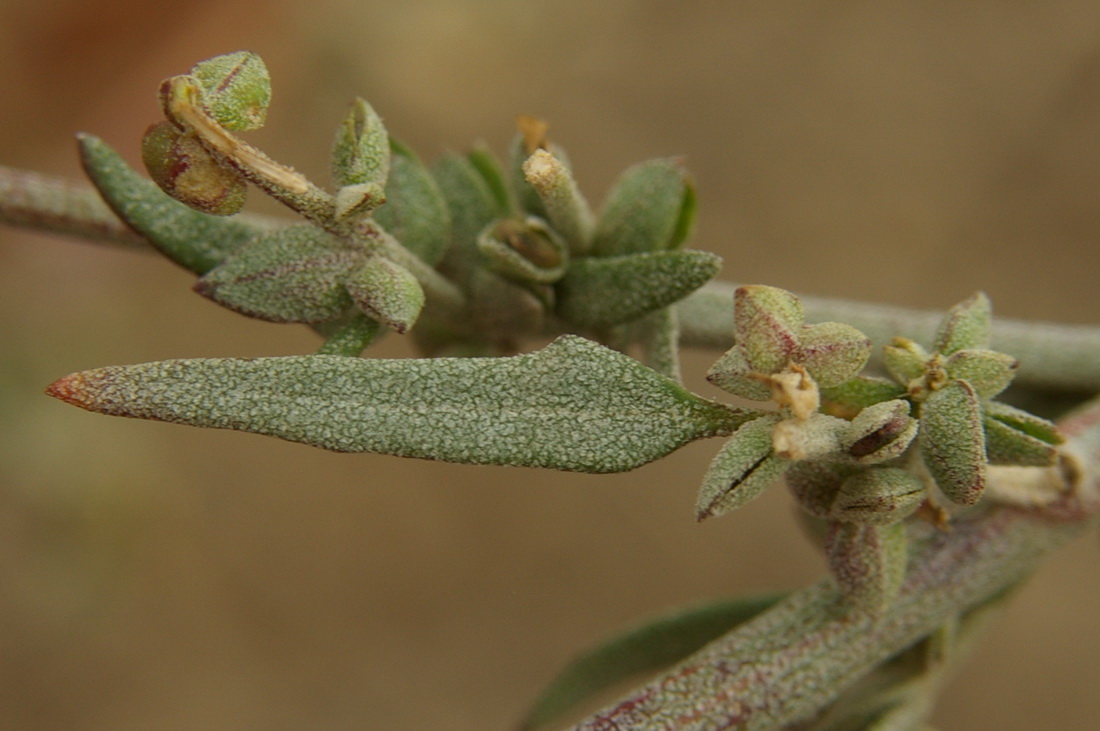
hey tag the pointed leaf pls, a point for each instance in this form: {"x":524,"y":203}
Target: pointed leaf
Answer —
{"x":361,"y":150}
{"x":415,"y":212}
{"x":650,"y":208}
{"x":733,"y":373}
{"x":966,"y":325}
{"x":647,"y":648}
{"x":742,"y":469}
{"x":1005,"y":445}
{"x":387,"y":292}
{"x":471,"y":207}
{"x":194,"y":240}
{"x":850,"y":397}
{"x":488,"y":166}
{"x":294,"y":274}
{"x":574,"y":405}
{"x":604,"y":292}
{"x":988,"y":371}
{"x":952,"y":441}
{"x":1025,"y":422}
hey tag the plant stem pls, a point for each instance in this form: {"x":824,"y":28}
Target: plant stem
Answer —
{"x":790,"y":662}
{"x":1064,"y":357}
{"x":57,"y":205}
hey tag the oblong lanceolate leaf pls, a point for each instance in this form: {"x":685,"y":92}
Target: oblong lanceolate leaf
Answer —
{"x":194,"y":240}
{"x":647,"y":648}
{"x":598,"y":292}
{"x":574,"y":405}
{"x":415,"y":212}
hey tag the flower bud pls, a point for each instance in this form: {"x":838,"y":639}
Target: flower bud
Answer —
{"x":879,"y":496}
{"x":386,"y":292}
{"x":524,"y":250}
{"x":904,"y":360}
{"x":767,"y":322}
{"x":833,"y":352}
{"x":361,"y":150}
{"x":966,"y":325}
{"x":236,"y":89}
{"x":880,"y":432}
{"x":179,"y":164}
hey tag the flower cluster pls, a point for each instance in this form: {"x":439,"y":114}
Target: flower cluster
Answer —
{"x":861,"y":452}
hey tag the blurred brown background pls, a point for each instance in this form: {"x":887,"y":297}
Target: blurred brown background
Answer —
{"x":154,"y":576}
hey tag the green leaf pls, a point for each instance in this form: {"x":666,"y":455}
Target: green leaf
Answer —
{"x":524,"y":250}
{"x":598,"y":292}
{"x":988,"y":371}
{"x":767,"y":323}
{"x":194,"y":240}
{"x":236,"y":89}
{"x":742,"y":469}
{"x":952,"y":441}
{"x":294,"y":274}
{"x":880,"y":432}
{"x":878,"y":496}
{"x":488,"y":166}
{"x":179,"y":164}
{"x":1028,"y":423}
{"x":966,"y":325}
{"x":471,"y":206}
{"x":387,"y":292}
{"x":645,"y":649}
{"x":650,"y":208}
{"x":832,"y":352}
{"x":1005,"y":445}
{"x":860,"y":392}
{"x":574,"y":405}
{"x":361,"y":150}
{"x":415,"y":212}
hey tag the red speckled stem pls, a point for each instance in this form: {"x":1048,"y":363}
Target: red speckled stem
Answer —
{"x":791,"y":661}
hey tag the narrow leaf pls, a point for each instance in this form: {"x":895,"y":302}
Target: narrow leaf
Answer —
{"x":415,"y":212}
{"x":850,"y":397}
{"x":1028,"y":423}
{"x":650,"y":208}
{"x":194,"y":240}
{"x":647,"y":648}
{"x":605,"y":292}
{"x":1005,"y":445}
{"x":574,"y":405}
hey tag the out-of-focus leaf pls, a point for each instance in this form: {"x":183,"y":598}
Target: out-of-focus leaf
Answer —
{"x":647,"y":648}
{"x":650,"y":208}
{"x":415,"y":212}
{"x":574,"y":405}
{"x":604,"y":292}
{"x":194,"y":240}
{"x":966,"y":325}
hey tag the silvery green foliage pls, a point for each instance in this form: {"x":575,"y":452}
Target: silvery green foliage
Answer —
{"x":574,"y":405}
{"x":481,"y":257}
